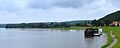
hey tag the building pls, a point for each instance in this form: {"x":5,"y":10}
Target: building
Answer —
{"x":115,"y":24}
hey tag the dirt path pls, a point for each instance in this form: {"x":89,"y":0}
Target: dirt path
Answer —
{"x":114,"y":40}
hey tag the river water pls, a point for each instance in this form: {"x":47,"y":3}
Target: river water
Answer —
{"x":48,"y":38}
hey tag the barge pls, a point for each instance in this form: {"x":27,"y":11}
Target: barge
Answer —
{"x":89,"y":32}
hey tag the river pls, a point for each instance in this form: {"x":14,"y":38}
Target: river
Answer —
{"x":48,"y":38}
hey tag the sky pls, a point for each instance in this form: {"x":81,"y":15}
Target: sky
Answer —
{"x":25,"y":11}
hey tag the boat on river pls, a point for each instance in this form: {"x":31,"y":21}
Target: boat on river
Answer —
{"x":89,"y":32}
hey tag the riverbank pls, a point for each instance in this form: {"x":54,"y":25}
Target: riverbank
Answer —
{"x":114,"y":40}
{"x":116,"y":31}
{"x":107,"y":30}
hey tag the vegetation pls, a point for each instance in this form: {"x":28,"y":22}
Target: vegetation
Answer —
{"x":109,"y":38}
{"x":50,"y":24}
{"x":115,"y":30}
{"x":105,"y":21}
{"x":108,"y":19}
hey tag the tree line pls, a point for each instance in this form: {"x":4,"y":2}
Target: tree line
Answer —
{"x":46,"y":25}
{"x":107,"y":20}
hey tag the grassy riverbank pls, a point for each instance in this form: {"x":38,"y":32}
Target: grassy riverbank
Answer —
{"x":75,"y":28}
{"x":115,"y":30}
{"x":107,"y":31}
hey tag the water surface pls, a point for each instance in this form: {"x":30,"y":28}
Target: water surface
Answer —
{"x":48,"y":38}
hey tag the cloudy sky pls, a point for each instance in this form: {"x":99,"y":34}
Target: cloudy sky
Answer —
{"x":17,"y":11}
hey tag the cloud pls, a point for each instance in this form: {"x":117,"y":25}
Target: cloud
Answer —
{"x":116,"y":3}
{"x":12,"y":5}
{"x":57,"y":3}
{"x":12,"y":11}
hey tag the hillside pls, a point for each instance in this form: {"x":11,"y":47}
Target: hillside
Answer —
{"x":108,"y":19}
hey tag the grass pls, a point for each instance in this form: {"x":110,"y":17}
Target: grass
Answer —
{"x":109,"y":38}
{"x":74,"y":28}
{"x":115,"y":30}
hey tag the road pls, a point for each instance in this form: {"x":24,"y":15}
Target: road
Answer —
{"x":114,"y":40}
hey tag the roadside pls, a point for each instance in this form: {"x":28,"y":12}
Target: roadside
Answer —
{"x":114,"y":40}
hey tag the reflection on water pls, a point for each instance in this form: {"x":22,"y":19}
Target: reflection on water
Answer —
{"x":91,"y":42}
{"x":48,"y":38}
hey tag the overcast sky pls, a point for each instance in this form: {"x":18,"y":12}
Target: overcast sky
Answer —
{"x":17,"y":11}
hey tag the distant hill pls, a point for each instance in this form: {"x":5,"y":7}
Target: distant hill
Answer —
{"x":79,"y":22}
{"x":51,"y":24}
{"x":2,"y":25}
{"x":108,"y":19}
